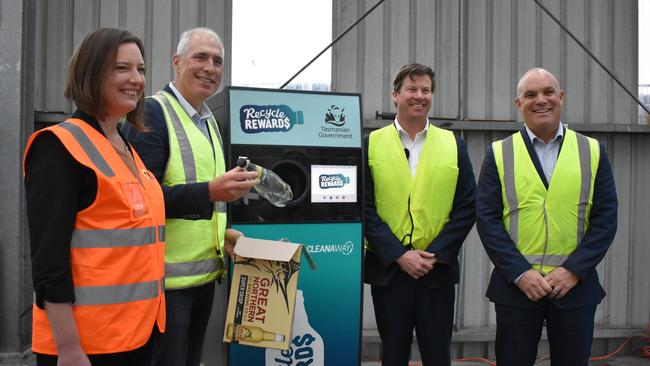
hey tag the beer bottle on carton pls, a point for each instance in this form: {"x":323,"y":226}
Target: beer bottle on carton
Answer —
{"x":252,"y":334}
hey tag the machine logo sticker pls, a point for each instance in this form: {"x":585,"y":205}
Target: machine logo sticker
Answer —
{"x":326,"y":181}
{"x":335,"y":116}
{"x":268,"y":118}
{"x":343,"y":248}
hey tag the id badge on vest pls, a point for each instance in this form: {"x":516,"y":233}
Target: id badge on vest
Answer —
{"x":135,"y":197}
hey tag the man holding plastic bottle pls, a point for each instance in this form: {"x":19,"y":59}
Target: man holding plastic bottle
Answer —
{"x":183,"y":149}
{"x":419,"y":207}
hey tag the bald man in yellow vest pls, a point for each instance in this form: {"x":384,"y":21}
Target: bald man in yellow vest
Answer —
{"x":546,"y":214}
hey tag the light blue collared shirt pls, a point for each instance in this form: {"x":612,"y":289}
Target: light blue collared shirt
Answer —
{"x":200,"y":118}
{"x":547,"y":153}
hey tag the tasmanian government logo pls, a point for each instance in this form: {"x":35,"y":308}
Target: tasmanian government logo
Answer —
{"x":335,"y":116}
{"x":326,"y":181}
{"x":268,"y":118}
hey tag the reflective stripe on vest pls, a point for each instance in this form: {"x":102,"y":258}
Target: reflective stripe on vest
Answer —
{"x":192,"y":268}
{"x":194,"y":247}
{"x":187,"y":156}
{"x":114,"y":238}
{"x":106,"y":295}
{"x":116,"y":259}
{"x":405,"y":202}
{"x":555,"y":216}
{"x":89,"y":148}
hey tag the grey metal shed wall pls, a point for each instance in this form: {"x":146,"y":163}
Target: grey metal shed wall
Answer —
{"x":16,"y":77}
{"x":61,"y":24}
{"x":479,"y":49}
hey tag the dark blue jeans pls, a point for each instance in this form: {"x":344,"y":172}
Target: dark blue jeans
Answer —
{"x":188,"y":311}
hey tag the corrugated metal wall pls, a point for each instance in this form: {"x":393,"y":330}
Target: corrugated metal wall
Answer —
{"x":61,"y":24}
{"x":478,"y":49}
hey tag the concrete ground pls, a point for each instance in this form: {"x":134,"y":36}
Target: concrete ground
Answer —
{"x":615,"y":361}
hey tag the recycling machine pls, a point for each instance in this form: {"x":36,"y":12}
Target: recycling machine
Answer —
{"x":312,"y":140}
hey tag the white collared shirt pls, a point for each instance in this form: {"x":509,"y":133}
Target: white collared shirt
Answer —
{"x":414,"y":147}
{"x":200,"y":118}
{"x":547,"y":153}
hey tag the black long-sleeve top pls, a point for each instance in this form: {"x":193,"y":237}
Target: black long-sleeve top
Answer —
{"x":57,"y":187}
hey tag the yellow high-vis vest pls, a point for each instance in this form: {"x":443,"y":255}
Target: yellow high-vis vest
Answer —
{"x":416,"y":208}
{"x":547,"y":224}
{"x":194,"y":248}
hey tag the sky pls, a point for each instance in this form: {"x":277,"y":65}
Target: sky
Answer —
{"x":272,"y":40}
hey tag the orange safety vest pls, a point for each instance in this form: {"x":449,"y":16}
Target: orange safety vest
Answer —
{"x":117,"y":251}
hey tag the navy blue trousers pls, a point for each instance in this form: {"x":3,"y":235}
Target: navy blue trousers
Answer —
{"x":569,"y":331}
{"x":406,"y":304}
{"x":188,"y":312}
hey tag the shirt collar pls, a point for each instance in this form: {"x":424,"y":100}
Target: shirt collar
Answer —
{"x":559,"y":134}
{"x":403,"y":132}
{"x":204,"y":111}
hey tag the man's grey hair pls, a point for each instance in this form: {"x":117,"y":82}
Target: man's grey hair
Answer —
{"x":184,"y":42}
{"x":186,"y":36}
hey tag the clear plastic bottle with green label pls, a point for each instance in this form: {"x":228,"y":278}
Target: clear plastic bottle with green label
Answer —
{"x":271,"y":187}
{"x":306,"y":346}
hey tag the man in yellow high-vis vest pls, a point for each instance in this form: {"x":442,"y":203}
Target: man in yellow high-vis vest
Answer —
{"x":419,"y":207}
{"x":546,"y":214}
{"x":184,"y":150}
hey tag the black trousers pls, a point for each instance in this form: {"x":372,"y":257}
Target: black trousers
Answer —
{"x":406,"y":304}
{"x":570,"y":334}
{"x":188,"y":312}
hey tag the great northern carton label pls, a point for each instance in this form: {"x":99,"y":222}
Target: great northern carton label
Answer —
{"x":263,"y":293}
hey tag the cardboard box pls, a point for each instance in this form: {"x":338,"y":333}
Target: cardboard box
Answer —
{"x":263,"y":292}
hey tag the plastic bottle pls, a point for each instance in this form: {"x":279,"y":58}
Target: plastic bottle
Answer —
{"x":271,"y":187}
{"x":306,"y":346}
{"x":252,"y":334}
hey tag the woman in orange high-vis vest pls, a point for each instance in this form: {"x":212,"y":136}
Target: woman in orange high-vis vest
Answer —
{"x":96,"y":217}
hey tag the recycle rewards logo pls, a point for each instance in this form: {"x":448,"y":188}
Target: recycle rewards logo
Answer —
{"x":327,"y":181}
{"x":268,"y":118}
